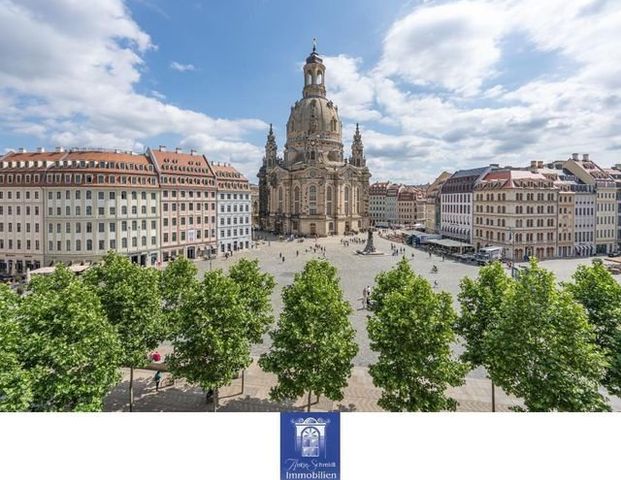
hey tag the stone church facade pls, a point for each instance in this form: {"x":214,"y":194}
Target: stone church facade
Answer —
{"x":314,"y":189}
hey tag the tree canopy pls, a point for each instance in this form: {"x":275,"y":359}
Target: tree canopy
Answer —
{"x":70,"y":349}
{"x":313,"y":344}
{"x":412,"y":331}
{"x":597,"y":290}
{"x":15,"y":381}
{"x":543,"y":348}
{"x":211,"y":345}
{"x":256,"y":289}
{"x":178,"y":282}
{"x":130,"y":296}
{"x":481,"y":302}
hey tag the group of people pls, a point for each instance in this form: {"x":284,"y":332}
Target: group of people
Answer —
{"x":397,"y":250}
{"x":357,"y":240}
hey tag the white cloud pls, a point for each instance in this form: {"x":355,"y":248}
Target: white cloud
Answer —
{"x":352,"y":92}
{"x":453,"y":45}
{"x":450,"y":119}
{"x":69,"y":71}
{"x":69,"y":74}
{"x":182,"y":67}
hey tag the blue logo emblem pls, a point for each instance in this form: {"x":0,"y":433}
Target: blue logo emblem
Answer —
{"x":310,"y":446}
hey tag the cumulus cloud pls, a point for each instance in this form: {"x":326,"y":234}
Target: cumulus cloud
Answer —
{"x":69,"y":71}
{"x":437,"y":84}
{"x":454,"y":45}
{"x":436,"y":99}
{"x":182,"y":67}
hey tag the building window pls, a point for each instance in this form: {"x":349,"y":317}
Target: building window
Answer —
{"x":312,"y":200}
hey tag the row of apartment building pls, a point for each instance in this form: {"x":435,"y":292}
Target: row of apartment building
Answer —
{"x":558,"y":209}
{"x":396,"y":204}
{"x":73,"y":206}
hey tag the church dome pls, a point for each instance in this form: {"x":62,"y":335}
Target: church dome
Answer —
{"x":314,"y":115}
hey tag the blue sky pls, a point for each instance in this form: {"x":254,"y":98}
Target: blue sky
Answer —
{"x":435,"y":85}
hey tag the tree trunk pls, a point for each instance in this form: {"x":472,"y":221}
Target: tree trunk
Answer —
{"x":215,"y":399}
{"x":493,"y":397}
{"x":309,"y":401}
{"x":243,"y":380}
{"x":131,"y":389}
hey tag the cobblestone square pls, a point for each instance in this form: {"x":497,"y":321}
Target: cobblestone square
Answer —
{"x":356,"y":273}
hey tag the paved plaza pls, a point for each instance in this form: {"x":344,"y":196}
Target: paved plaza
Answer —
{"x":356,"y":273}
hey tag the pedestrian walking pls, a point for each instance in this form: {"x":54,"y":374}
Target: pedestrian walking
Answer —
{"x":368,"y":300}
{"x":364,"y":297}
{"x":157,"y":378}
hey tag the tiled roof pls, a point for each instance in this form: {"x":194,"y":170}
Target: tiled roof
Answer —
{"x":225,"y":171}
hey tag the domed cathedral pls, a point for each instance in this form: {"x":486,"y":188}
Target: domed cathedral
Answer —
{"x":314,"y":189}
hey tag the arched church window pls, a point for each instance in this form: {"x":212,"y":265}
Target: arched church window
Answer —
{"x":280,"y":200}
{"x":309,"y":79}
{"x":333,"y":124}
{"x":347,"y":212}
{"x":329,"y":201}
{"x":296,"y":200}
{"x":312,"y":200}
{"x":357,"y":200}
{"x":312,"y":155}
{"x":319,"y":78}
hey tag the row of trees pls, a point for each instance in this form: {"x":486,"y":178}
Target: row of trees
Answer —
{"x":61,"y":344}
{"x":551,"y":345}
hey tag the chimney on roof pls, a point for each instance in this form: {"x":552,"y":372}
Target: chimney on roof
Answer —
{"x":162,"y":148}
{"x":60,"y":149}
{"x":533,"y":164}
{"x":21,"y":150}
{"x":116,"y":150}
{"x":178,"y":150}
{"x":574,"y":156}
{"x":539,"y":163}
{"x":192,"y":152}
{"x":40,"y":149}
{"x":585,"y":157}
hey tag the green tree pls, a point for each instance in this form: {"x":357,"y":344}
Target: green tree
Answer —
{"x":597,"y":290}
{"x":313,"y":344}
{"x":481,"y":307}
{"x":543,"y":348}
{"x":131,"y":298}
{"x":212,"y":343}
{"x":256,"y":287}
{"x":178,"y":281}
{"x":70,"y":349}
{"x":15,"y":383}
{"x":412,"y":331}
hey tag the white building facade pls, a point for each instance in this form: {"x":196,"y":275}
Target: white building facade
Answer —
{"x":234,"y":204}
{"x":456,"y":204}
